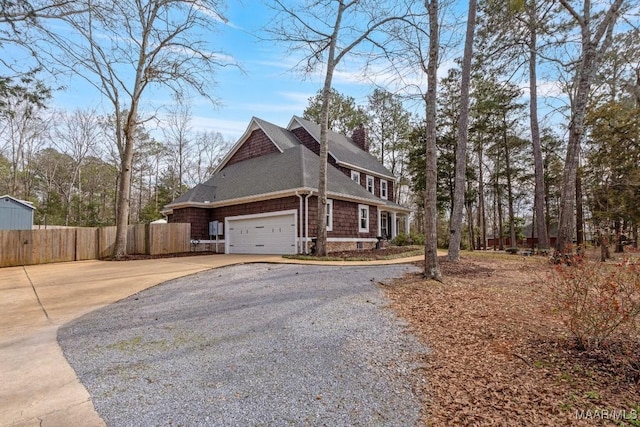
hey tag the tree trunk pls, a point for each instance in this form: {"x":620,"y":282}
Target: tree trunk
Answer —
{"x":585,"y":74}
{"x":619,"y":248}
{"x":463,"y":136}
{"x":431,"y":266}
{"x":500,"y":221}
{"x":604,"y":247}
{"x":124,"y":188}
{"x":495,"y":210}
{"x":547,"y":210}
{"x":482,"y":229}
{"x":122,"y":218}
{"x":507,"y":162}
{"x":321,"y":242}
{"x":533,"y":231}
{"x":469,"y":204}
{"x":566,"y":224}
{"x":539,"y":193}
{"x":579,"y":210}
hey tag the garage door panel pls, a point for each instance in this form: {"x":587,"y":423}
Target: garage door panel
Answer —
{"x":263,"y":235}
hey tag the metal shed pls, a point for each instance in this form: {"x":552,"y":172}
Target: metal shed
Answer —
{"x":15,"y":214}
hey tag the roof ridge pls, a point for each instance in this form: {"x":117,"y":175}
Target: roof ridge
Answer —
{"x":26,"y":203}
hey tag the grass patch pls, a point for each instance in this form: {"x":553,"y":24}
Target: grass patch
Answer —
{"x":128,"y":345}
{"x":378,"y":255}
{"x":316,"y":258}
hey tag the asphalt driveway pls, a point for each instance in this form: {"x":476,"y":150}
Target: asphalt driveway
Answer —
{"x":255,"y":344}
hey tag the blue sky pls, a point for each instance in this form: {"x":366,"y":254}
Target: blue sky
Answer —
{"x":263,"y":86}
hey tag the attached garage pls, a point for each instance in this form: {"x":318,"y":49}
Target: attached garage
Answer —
{"x":270,"y":233}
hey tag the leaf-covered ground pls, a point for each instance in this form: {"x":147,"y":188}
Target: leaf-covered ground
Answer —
{"x":501,"y":355}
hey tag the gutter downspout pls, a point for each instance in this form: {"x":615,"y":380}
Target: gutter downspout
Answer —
{"x":300,"y":225}
{"x":306,"y":220}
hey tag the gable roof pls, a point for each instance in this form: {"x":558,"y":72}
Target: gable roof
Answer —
{"x":344,"y":150}
{"x":293,"y":170}
{"x":281,"y":138}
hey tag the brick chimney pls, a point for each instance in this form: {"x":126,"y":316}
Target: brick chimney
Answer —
{"x":360,"y":138}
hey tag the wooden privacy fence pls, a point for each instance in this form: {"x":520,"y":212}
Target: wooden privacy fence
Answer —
{"x":28,"y":247}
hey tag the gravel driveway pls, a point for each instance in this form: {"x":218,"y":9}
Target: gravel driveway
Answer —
{"x":251,"y":345}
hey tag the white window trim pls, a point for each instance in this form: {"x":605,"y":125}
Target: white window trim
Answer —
{"x":355,"y":175}
{"x":373,"y":184}
{"x":360,"y":228}
{"x":330,"y":215}
{"x":384,"y":186}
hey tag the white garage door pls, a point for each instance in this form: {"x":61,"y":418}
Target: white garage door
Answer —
{"x":273,"y":234}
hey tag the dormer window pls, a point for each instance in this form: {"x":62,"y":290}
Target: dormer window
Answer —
{"x":370,"y":184}
{"x":383,"y":189}
{"x":355,"y":175}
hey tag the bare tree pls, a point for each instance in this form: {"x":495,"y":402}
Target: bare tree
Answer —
{"x":25,"y":131}
{"x":463,"y":136}
{"x":19,"y":72}
{"x":76,"y":135}
{"x":14,"y":12}
{"x":177,"y":135}
{"x":326,"y":32}
{"x":595,"y":39}
{"x":210,"y":148}
{"x":122,"y":48}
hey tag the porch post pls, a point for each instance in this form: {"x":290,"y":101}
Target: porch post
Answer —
{"x":394,"y":229}
{"x":379,"y":222}
{"x":407,"y":224}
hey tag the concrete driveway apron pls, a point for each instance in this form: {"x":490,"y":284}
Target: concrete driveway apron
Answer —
{"x":38,"y":386}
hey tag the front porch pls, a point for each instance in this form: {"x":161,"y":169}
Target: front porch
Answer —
{"x":391,"y":223}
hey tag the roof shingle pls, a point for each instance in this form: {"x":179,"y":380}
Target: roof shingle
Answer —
{"x":344,"y":150}
{"x":294,"y":168}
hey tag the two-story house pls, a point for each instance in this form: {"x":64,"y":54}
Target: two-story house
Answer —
{"x":262,"y":197}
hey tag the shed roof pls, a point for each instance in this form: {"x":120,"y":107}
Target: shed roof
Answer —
{"x":24,"y":203}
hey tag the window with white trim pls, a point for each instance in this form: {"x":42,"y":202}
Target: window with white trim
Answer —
{"x":329,"y":215}
{"x":383,"y":189}
{"x":355,"y":175}
{"x":363,"y":218}
{"x":370,"y":184}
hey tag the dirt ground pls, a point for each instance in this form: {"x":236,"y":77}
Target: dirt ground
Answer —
{"x":375,"y":254}
{"x":501,"y":355}
{"x":365,"y":254}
